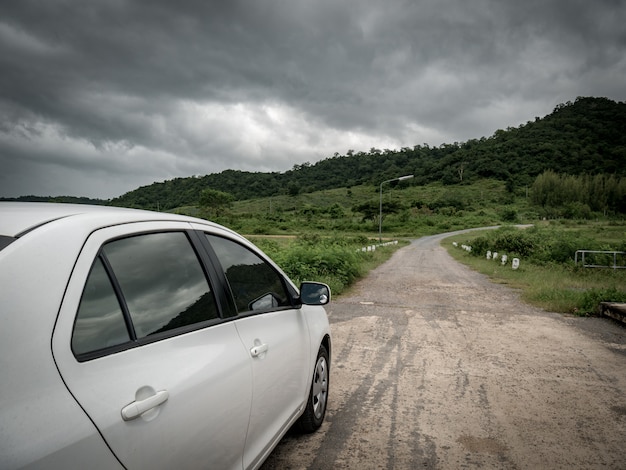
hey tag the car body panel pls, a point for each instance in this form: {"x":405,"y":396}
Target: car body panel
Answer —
{"x":104,"y":386}
{"x":210,"y":423}
{"x":275,"y":403}
{"x":33,"y":398}
{"x":59,"y":411}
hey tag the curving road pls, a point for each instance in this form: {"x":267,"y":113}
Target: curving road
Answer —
{"x":435,"y":367}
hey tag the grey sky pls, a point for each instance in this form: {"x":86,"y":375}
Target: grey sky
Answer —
{"x":100,"y":97}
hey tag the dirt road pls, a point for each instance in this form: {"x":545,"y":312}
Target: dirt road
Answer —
{"x":433,"y":366}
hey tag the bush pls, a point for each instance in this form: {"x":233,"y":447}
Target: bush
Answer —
{"x":539,"y":245}
{"x":577,"y":210}
{"x":505,"y":240}
{"x":334,"y":261}
{"x":480,"y":246}
{"x":559,"y":246}
{"x":509,"y":215}
{"x":519,"y":242}
{"x":561,"y":250}
{"x":592,"y":298}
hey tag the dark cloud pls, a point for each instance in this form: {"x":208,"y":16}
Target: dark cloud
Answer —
{"x":99,"y":97}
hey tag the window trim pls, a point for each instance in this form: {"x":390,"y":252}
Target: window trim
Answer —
{"x":208,"y":258}
{"x":117,"y":289}
{"x":147,"y":340}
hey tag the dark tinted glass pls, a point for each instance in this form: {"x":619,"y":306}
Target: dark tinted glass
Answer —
{"x":6,"y":241}
{"x":100,"y":321}
{"x":255,"y":285}
{"x":162,"y":281}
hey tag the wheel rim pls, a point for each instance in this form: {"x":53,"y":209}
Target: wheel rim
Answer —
{"x":320,"y":388}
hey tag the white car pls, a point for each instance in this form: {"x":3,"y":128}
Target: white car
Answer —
{"x":136,"y":339}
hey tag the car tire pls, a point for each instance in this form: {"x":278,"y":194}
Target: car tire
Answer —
{"x":315,"y":410}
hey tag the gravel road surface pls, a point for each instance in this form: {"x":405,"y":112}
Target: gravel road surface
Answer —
{"x":433,"y":366}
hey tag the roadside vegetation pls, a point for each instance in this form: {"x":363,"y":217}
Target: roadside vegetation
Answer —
{"x":328,"y":227}
{"x":337,"y":260}
{"x":548,"y":276}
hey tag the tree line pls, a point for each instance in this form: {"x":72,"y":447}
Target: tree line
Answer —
{"x":574,"y":196}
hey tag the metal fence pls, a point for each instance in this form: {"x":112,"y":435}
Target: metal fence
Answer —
{"x":601,"y":259}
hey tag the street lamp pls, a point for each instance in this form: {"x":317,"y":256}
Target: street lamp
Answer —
{"x":380,"y":215}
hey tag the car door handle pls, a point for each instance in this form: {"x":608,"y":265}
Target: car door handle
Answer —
{"x":139,"y":407}
{"x":258,"y":350}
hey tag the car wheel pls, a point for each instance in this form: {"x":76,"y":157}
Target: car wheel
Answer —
{"x":315,"y":410}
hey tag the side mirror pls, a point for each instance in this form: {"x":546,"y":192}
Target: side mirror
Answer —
{"x":314,"y":293}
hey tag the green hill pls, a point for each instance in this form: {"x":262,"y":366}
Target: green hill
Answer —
{"x":587,"y":136}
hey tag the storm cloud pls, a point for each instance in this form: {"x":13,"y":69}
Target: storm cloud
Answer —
{"x":100,"y":97}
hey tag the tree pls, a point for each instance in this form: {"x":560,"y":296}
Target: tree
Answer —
{"x":545,"y":189}
{"x":371,"y":209}
{"x":336,"y":211}
{"x":215,"y":201}
{"x":293,"y":189}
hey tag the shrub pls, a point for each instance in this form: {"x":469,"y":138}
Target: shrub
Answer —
{"x":539,"y":245}
{"x":505,"y":240}
{"x":310,"y":238}
{"x":577,"y":210}
{"x":509,"y":215}
{"x":480,"y":246}
{"x":338,"y":266}
{"x":519,"y":242}
{"x":592,"y":298}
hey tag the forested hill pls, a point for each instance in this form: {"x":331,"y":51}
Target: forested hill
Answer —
{"x":587,"y":136}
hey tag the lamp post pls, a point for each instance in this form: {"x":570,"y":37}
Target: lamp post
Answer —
{"x":380,"y":215}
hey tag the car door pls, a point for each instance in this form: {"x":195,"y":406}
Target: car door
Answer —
{"x":276,"y":336}
{"x":142,"y":347}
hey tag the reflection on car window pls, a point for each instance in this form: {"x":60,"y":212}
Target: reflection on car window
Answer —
{"x":255,"y":285}
{"x":100,"y":321}
{"x":162,"y":282}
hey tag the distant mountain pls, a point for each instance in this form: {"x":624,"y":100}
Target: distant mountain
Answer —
{"x":587,"y":136}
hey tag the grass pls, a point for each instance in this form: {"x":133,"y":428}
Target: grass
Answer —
{"x":561,"y":288}
{"x":425,"y":210}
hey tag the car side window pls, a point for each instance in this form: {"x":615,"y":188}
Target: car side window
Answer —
{"x":254,"y":283}
{"x":100,"y":320}
{"x":161,"y":287}
{"x":162,"y":281}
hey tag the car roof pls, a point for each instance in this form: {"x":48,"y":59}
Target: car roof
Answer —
{"x":18,"y":218}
